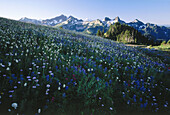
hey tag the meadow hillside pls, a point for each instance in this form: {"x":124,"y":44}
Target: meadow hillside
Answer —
{"x":45,"y":70}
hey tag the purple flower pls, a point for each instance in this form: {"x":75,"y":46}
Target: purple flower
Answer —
{"x":28,"y":77}
{"x":15,"y":87}
{"x":33,"y":87}
{"x":11,"y":91}
{"x":165,"y":105}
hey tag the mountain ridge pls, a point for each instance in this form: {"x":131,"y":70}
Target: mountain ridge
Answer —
{"x":92,"y":26}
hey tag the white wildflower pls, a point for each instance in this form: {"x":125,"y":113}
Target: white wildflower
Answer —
{"x":14,"y":105}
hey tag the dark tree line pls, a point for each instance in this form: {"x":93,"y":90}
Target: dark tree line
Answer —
{"x":126,"y":34}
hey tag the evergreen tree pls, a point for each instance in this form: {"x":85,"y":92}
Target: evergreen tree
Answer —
{"x":99,"y":33}
{"x":125,"y":33}
{"x":102,"y":32}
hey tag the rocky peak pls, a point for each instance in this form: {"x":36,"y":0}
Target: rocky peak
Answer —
{"x":106,"y":19}
{"x":117,"y":19}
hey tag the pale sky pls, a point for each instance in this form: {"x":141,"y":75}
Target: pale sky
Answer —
{"x":153,"y":11}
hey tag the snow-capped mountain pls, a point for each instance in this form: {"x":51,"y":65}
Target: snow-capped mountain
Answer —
{"x":71,"y":20}
{"x":117,"y":19}
{"x":136,"y":24}
{"x":34,"y":21}
{"x":54,"y":21}
{"x":92,"y":26}
{"x":49,"y":22}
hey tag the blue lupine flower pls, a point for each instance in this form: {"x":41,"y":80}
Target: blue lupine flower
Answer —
{"x":126,"y":84}
{"x":80,"y":71}
{"x":141,"y":105}
{"x":134,"y":96}
{"x":110,"y":81}
{"x":64,"y":95}
{"x":128,"y":102}
{"x":21,"y":75}
{"x":21,"y":78}
{"x":32,"y":73}
{"x":134,"y":100}
{"x":140,"y":99}
{"x":106,"y":84}
{"x":47,"y":77}
{"x":10,"y":81}
{"x":155,"y":104}
{"x":66,"y":68}
{"x":74,"y":84}
{"x":66,"y":87}
{"x":68,"y":83}
{"x":13,"y":75}
{"x":145,"y":104}
{"x":105,"y":69}
{"x":97,"y":79}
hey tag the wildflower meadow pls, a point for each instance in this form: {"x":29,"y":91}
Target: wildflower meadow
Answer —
{"x":45,"y":70}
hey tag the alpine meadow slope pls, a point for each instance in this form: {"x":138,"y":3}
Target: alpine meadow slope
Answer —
{"x":46,"y":70}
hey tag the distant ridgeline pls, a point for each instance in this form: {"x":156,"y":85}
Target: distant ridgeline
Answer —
{"x":153,"y":33}
{"x":126,"y":34}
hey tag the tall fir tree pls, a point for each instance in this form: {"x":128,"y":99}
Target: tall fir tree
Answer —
{"x":99,"y":33}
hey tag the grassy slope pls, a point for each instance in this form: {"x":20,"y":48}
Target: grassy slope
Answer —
{"x":66,"y":72}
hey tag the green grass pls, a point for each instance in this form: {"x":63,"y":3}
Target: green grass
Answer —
{"x":164,"y":47}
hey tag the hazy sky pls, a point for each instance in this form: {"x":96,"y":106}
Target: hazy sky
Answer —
{"x":153,"y":11}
